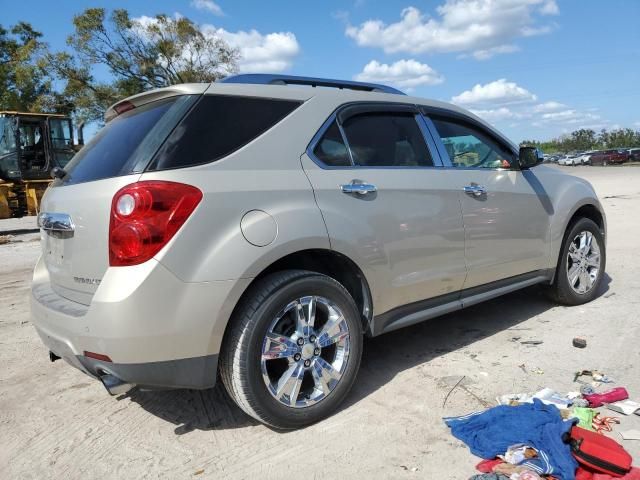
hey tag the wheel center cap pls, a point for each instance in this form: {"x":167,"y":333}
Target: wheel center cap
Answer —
{"x":307,"y":351}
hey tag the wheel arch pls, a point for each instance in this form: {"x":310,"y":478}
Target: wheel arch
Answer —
{"x":320,"y":260}
{"x":587,"y":208}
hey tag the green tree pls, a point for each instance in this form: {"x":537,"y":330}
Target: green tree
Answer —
{"x":139,"y":55}
{"x":25,"y":83}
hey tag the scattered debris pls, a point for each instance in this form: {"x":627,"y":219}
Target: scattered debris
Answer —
{"x":630,"y":434}
{"x":5,"y":239}
{"x":532,"y":342}
{"x":626,"y":407}
{"x":523,"y":368}
{"x":579,"y":342}
{"x":199,"y":472}
{"x":539,"y":371}
{"x":597,"y":376}
{"x":452,"y":389}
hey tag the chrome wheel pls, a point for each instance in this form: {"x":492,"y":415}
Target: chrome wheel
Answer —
{"x":583,"y":262}
{"x":305,"y":351}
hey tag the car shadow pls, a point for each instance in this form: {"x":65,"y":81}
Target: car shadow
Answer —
{"x":383,"y":358}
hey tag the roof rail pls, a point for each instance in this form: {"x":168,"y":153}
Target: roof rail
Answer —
{"x":268,"y":79}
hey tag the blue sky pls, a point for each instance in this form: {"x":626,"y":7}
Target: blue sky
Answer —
{"x":534,"y":68}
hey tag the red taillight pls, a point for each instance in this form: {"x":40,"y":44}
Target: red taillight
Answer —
{"x":145,"y":216}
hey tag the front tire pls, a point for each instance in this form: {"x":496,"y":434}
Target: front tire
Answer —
{"x":293,"y":349}
{"x":581,"y":264}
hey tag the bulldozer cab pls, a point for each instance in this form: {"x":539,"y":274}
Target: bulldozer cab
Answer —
{"x":33,"y":144}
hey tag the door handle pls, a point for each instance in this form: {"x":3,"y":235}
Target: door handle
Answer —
{"x":475,"y":190}
{"x":358,"y":187}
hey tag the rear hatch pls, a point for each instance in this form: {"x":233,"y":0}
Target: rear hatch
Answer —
{"x":75,"y":211}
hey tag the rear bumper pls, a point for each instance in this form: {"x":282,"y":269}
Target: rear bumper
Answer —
{"x":158,"y":331}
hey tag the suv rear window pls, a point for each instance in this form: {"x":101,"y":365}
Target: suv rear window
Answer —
{"x":127,"y":143}
{"x":217,"y":126}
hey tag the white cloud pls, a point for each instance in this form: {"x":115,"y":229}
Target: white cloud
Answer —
{"x":484,"y":26}
{"x":569,"y":117}
{"x":265,"y":53}
{"x":548,"y":107}
{"x":636,"y":124}
{"x":498,"y":92}
{"x":403,"y":73}
{"x":490,"y":52}
{"x":549,"y":7}
{"x":208,"y":6}
{"x":497,"y":114}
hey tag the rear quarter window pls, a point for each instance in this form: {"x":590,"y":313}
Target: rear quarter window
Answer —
{"x":217,"y":126}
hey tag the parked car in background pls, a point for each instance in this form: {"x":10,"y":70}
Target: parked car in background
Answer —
{"x":610,"y":157}
{"x":585,"y":158}
{"x":634,"y":154}
{"x":254,"y":232}
{"x":570,"y":159}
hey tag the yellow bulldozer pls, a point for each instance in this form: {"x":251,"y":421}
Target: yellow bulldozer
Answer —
{"x":31,"y":145}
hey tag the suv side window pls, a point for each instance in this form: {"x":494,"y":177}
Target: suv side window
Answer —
{"x":217,"y":126}
{"x":386,"y":139}
{"x":331,"y":149}
{"x":468,"y":146}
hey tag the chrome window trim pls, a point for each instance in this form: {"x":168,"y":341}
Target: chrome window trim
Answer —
{"x":431,"y":146}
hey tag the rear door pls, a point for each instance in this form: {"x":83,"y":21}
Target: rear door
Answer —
{"x":506,"y":212}
{"x":388,"y":204}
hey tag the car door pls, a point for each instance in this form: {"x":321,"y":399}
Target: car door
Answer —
{"x":506,"y":212}
{"x":388,"y":204}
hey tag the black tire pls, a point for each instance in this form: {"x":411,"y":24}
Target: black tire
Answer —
{"x":240,"y":358}
{"x":561,"y":290}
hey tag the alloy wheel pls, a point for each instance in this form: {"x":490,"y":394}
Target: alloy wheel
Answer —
{"x":583,"y":262}
{"x":305,"y":351}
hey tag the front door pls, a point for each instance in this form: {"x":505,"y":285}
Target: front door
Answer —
{"x":388,"y":205}
{"x":506,"y":212}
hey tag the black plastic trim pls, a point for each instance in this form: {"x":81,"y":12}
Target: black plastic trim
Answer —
{"x":449,"y":302}
{"x":198,"y":372}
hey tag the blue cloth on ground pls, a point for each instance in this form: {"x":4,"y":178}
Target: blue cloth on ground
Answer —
{"x":490,"y":433}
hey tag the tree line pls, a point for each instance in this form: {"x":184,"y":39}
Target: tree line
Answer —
{"x":109,"y":57}
{"x":586,"y":139}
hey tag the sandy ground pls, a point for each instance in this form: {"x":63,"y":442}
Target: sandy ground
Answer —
{"x":57,"y":423}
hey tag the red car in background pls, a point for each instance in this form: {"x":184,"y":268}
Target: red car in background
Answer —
{"x":609,"y":157}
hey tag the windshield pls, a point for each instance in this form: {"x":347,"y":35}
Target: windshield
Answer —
{"x":127,"y":143}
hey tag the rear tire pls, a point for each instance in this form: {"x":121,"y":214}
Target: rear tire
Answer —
{"x":577,"y":279}
{"x":298,"y":378}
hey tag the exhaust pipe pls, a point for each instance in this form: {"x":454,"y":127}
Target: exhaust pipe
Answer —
{"x":114,"y":385}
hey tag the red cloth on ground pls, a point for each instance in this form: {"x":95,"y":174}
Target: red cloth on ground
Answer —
{"x":486,"y":466}
{"x":582,"y":474}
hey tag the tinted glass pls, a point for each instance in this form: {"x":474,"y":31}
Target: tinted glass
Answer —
{"x":470,"y":147}
{"x":331,"y":149}
{"x":7,"y":136}
{"x":217,"y":126}
{"x":386,"y":140}
{"x":127,"y":143}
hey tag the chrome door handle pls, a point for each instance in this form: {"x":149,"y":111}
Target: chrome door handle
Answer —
{"x":475,"y":190}
{"x":358,"y":187}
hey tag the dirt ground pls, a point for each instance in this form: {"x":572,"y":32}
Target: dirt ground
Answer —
{"x":55,"y":422}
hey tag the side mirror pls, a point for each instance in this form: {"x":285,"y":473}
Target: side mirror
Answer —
{"x":529,"y":157}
